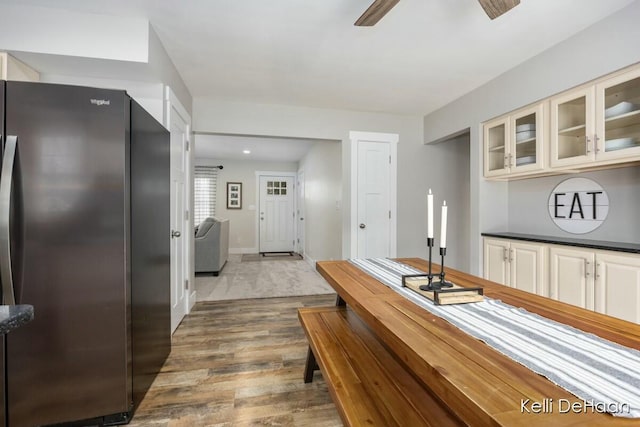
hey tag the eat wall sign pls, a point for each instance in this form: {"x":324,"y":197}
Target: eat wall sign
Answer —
{"x":578,"y":205}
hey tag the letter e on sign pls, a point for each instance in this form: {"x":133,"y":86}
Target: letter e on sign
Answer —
{"x":578,"y":205}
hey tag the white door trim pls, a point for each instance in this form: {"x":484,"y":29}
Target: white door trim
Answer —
{"x":391,"y":139}
{"x":257,"y":211}
{"x":172,"y":101}
{"x":300,"y":230}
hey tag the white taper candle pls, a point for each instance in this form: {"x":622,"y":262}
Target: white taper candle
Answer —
{"x":443,"y":227}
{"x":430,"y":215}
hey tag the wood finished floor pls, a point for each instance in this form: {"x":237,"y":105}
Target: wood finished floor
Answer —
{"x":236,"y":363}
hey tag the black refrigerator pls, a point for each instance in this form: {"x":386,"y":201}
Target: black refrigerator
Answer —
{"x":85,"y":239}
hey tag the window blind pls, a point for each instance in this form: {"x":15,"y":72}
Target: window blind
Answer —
{"x":205,"y":183}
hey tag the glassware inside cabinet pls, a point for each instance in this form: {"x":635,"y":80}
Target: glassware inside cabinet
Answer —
{"x":622,"y":116}
{"x":526,"y":140}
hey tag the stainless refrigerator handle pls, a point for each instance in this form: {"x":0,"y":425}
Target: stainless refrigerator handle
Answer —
{"x":6,"y":178}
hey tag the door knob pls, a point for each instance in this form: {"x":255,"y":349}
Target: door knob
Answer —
{"x":363,"y":226}
{"x":301,"y":219}
{"x":175,"y":234}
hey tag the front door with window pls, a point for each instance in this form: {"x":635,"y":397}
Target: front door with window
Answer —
{"x":276,"y":221}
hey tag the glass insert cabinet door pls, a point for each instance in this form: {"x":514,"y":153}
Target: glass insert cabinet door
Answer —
{"x":572,"y":128}
{"x":527,"y":134}
{"x":525,"y":128}
{"x":513,"y":143}
{"x":496,"y":146}
{"x":618,"y":116}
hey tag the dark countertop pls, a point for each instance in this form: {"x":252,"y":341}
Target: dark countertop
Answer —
{"x":633,"y":248}
{"x":14,"y":316}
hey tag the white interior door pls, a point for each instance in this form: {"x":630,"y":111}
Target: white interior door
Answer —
{"x":374,"y":210}
{"x":300,"y":213}
{"x":276,"y":214}
{"x":179,"y":141}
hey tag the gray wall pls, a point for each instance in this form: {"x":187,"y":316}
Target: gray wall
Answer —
{"x":222,"y":116}
{"x":447,"y":165}
{"x":68,"y":43}
{"x":323,"y":200}
{"x":243,"y":223}
{"x":528,"y":200}
{"x":605,"y":47}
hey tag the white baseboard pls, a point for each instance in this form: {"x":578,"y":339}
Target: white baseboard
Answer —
{"x":310,"y":261}
{"x":240,"y":251}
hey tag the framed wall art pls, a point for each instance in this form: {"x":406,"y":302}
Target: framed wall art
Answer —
{"x":234,"y":195}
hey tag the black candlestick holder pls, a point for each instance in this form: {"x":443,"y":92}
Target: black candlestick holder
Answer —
{"x":428,"y":286}
{"x":442,"y":283}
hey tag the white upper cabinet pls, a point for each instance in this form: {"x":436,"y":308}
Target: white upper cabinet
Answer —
{"x":527,"y":139}
{"x":514,"y":144}
{"x":618,"y":116}
{"x":496,"y":155}
{"x":590,"y":127}
{"x":13,"y":69}
{"x":572,"y":128}
{"x":598,"y":124}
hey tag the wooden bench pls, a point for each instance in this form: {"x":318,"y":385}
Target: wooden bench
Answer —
{"x":367,"y":384}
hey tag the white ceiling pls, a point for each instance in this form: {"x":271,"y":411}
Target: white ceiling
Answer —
{"x":421,"y":56}
{"x":230,"y":147}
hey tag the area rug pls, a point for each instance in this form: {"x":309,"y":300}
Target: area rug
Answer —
{"x":279,"y":256}
{"x":266,"y":279}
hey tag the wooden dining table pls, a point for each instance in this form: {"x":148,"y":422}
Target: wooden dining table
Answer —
{"x":479,"y":384}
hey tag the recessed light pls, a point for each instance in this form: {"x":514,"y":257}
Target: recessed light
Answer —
{"x":246,"y":151}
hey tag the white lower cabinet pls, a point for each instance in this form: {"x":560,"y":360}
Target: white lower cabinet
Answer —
{"x":571,"y":276}
{"x":516,"y":264}
{"x":604,"y":281}
{"x":617,"y":285}
{"x":496,"y":260}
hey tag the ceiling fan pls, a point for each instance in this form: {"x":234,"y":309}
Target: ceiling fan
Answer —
{"x":379,"y":8}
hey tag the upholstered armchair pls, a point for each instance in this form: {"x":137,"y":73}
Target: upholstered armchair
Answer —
{"x":212,"y":245}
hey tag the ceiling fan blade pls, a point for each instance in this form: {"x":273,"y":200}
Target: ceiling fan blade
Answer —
{"x":495,"y":8}
{"x":375,"y":12}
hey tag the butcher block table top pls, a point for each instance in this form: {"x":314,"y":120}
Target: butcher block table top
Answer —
{"x":479,"y":384}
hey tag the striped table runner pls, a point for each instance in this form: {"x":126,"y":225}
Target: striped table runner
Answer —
{"x":605,"y":375}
